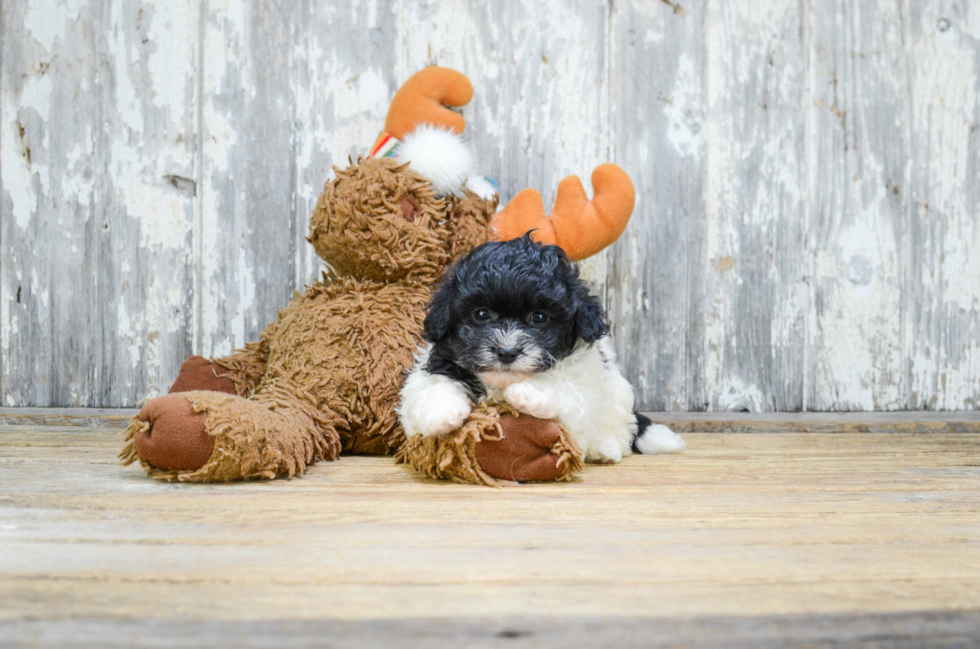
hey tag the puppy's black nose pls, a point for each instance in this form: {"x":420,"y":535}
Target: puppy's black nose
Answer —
{"x":508,"y":354}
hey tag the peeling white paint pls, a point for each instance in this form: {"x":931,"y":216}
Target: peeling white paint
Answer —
{"x":75,"y":184}
{"x":683,"y":110}
{"x":128,"y":104}
{"x":246,"y":293}
{"x":736,"y":396}
{"x":128,"y":334}
{"x":47,"y":21}
{"x":171,"y":69}
{"x":160,"y":211}
{"x":18,"y":183}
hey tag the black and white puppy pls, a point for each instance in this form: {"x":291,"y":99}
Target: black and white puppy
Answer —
{"x":512,"y":321}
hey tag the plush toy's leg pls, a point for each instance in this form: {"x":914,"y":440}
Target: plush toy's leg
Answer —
{"x":239,"y":373}
{"x":267,"y":437}
{"x":246,"y":367}
{"x":169,"y":435}
{"x":199,"y":373}
{"x":496,"y":449}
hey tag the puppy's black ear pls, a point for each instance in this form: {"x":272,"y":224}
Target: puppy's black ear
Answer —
{"x":589,"y":320}
{"x":439,"y":317}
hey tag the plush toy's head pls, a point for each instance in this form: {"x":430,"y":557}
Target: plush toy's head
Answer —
{"x":416,"y":204}
{"x":380,"y":220}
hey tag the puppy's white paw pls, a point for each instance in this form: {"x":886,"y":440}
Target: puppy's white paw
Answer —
{"x":657,"y":438}
{"x":442,"y":415}
{"x":605,"y":452}
{"x":532,"y":400}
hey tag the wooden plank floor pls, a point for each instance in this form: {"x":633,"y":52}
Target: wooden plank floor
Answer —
{"x":744,"y":539}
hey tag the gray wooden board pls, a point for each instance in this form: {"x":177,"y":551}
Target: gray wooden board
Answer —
{"x":656,"y":274}
{"x":857,"y":218}
{"x":942,"y":320}
{"x":685,"y":422}
{"x":910,"y":629}
{"x":808,"y":179}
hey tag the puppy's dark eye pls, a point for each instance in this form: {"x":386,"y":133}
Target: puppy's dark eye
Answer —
{"x":538,"y":318}
{"x":482,"y":315}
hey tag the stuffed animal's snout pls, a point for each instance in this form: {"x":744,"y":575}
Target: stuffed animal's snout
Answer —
{"x":410,"y":209}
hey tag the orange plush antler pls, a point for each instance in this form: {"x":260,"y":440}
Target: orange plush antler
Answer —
{"x":423,"y":100}
{"x":580,"y":226}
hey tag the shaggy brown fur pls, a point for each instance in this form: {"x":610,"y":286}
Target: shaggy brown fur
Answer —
{"x":324,"y":377}
{"x":480,"y":452}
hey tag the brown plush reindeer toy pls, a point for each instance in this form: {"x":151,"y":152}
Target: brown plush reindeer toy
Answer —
{"x":324,"y":377}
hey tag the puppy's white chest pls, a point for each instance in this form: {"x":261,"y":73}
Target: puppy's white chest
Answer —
{"x":587,"y":394}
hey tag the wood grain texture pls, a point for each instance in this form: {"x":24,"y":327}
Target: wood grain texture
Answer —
{"x":907,"y":629}
{"x":656,"y":276}
{"x":247,"y":235}
{"x":755,"y":293}
{"x":757,"y":528}
{"x":98,"y":157}
{"x":681,"y":422}
{"x":942,"y":318}
{"x":858,"y":205}
{"x":808,"y":177}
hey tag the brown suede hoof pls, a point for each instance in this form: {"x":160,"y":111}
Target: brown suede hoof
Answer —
{"x":176,"y":440}
{"x":524,"y":453}
{"x":199,"y":373}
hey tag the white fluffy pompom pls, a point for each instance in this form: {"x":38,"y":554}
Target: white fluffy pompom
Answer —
{"x":440,"y":155}
{"x":482,"y":187}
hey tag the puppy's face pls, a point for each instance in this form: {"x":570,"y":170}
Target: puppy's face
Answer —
{"x":511,"y":309}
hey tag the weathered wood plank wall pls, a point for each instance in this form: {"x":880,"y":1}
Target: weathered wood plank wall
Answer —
{"x":807,"y":228}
